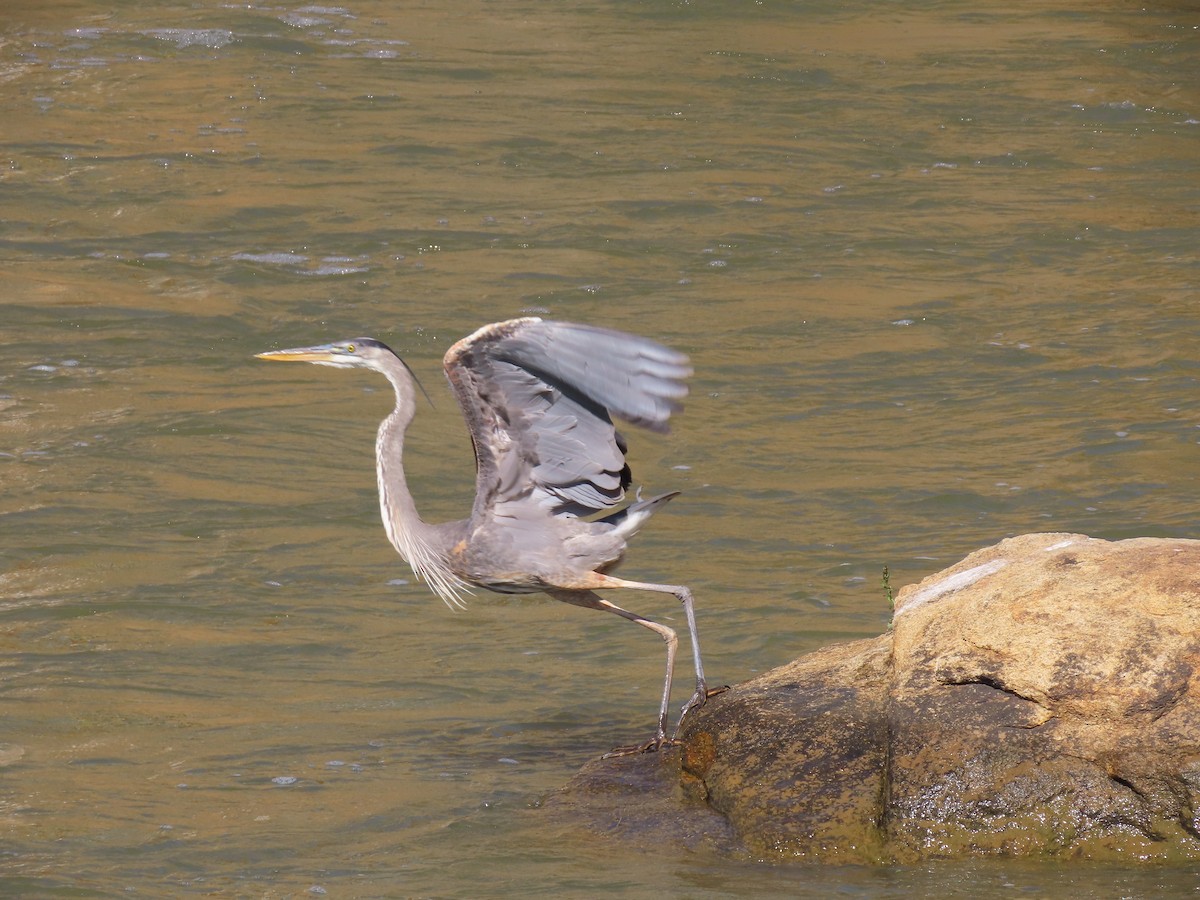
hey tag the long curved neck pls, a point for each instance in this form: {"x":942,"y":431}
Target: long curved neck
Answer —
{"x":420,"y":543}
{"x":403,"y":524}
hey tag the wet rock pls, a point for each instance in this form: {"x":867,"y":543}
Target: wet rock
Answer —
{"x":1045,"y":699}
{"x":1040,"y":697}
{"x":642,"y":799}
{"x":796,"y":759}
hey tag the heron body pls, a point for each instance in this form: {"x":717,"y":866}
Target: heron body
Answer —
{"x":551,"y":511}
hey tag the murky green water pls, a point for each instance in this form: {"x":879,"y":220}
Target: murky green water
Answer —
{"x":935,"y":265}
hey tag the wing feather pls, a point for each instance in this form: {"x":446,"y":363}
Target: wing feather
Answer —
{"x":539,"y":399}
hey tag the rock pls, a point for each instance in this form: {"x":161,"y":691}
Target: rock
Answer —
{"x":796,"y":759}
{"x":1044,"y":699}
{"x":642,"y":800}
{"x":1040,"y":697}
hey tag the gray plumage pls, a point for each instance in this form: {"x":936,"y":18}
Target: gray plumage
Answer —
{"x":550,"y":511}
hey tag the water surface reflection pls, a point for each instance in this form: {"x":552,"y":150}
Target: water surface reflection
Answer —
{"x":935,"y":267}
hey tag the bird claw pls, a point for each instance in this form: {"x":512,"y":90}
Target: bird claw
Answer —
{"x":703,"y":692}
{"x":653,"y":745}
{"x":659,"y":741}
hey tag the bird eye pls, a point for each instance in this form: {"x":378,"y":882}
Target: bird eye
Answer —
{"x":349,"y":348}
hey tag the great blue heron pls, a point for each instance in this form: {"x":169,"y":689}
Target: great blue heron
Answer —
{"x":551,"y":474}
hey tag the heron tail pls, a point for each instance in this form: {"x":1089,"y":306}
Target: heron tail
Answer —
{"x":628,"y":520}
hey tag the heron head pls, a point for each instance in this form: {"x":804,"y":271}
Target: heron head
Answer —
{"x":356,"y":353}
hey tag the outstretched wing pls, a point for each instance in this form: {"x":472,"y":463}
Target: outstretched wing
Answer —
{"x":539,"y":398}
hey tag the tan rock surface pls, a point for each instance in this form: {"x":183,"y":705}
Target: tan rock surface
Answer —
{"x":1050,"y":702}
{"x":1040,"y":697}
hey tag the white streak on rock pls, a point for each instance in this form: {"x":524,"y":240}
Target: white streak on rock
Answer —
{"x":955,"y":582}
{"x":1059,"y":545}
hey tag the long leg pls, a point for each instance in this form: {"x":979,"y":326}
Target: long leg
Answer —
{"x":685,"y":597}
{"x":589,"y":600}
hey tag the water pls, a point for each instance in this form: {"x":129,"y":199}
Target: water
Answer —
{"x":935,"y":265}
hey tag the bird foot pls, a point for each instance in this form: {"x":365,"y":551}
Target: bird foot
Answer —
{"x":699,"y":698}
{"x":653,"y":745}
{"x":660,"y":740}
{"x":703,"y":692}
